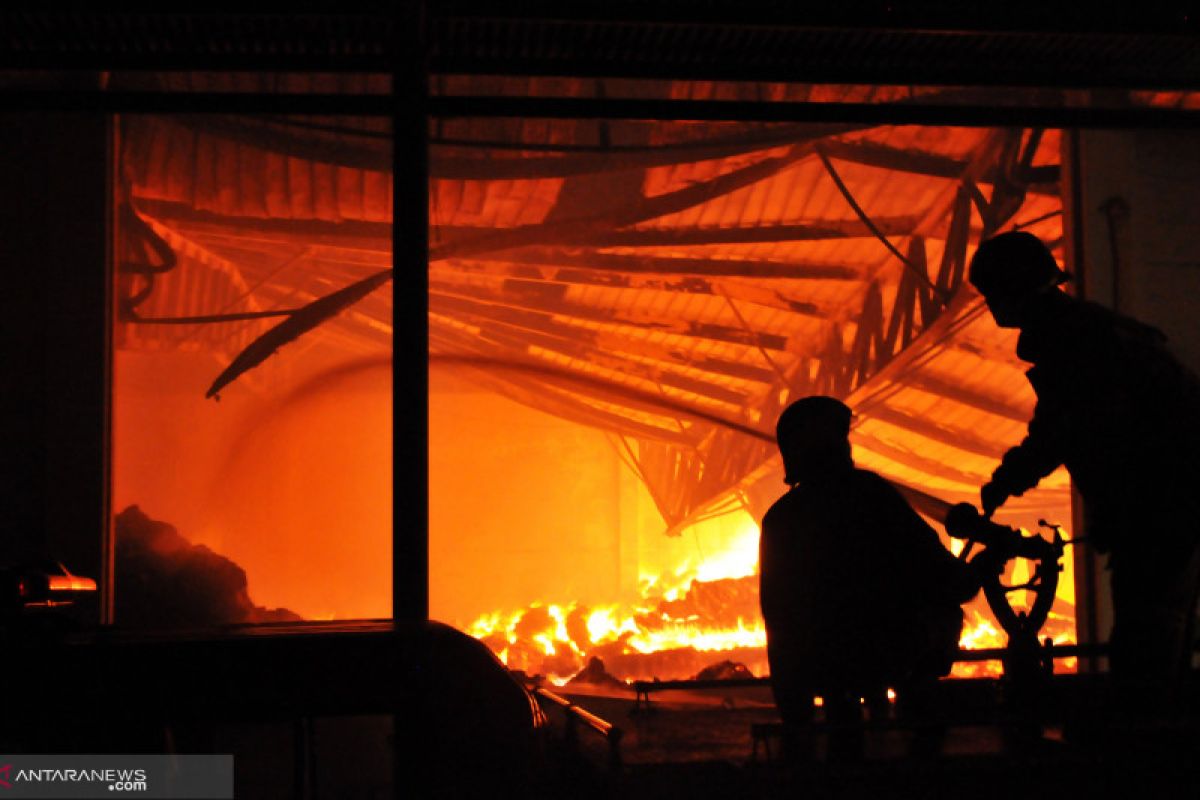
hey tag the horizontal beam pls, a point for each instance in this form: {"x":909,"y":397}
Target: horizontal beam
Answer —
{"x":359,"y":234}
{"x":813,"y":230}
{"x":966,"y":115}
{"x":638,"y":264}
{"x":840,"y":43}
{"x":589,"y":159}
{"x":975,"y":115}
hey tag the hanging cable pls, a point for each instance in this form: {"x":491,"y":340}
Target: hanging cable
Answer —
{"x":871,"y":226}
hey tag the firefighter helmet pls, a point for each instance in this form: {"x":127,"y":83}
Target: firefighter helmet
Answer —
{"x":1014,"y":264}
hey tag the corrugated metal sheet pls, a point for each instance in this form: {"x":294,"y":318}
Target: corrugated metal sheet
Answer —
{"x":655,"y":291}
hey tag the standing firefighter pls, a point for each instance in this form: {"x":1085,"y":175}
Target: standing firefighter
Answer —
{"x":1123,"y":415}
{"x":857,"y":592}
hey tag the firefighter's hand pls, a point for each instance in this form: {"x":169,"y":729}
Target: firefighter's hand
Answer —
{"x":991,"y":497}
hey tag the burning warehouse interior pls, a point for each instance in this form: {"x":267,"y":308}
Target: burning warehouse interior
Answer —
{"x":391,"y":393}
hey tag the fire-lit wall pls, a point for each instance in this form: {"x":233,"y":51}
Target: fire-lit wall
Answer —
{"x":526,"y":507}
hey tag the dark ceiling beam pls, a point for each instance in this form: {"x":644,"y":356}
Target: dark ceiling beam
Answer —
{"x":960,"y":440}
{"x":595,"y":160}
{"x":214,"y":37}
{"x":363,"y":151}
{"x":1021,"y":44}
{"x":1024,"y":44}
{"x":637,"y":264}
{"x":985,"y":115}
{"x":749,"y":234}
{"x":171,"y":102}
{"x":721,"y":15}
{"x":818,"y":230}
{"x":375,"y":236}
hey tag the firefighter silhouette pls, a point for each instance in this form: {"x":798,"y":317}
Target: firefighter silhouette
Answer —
{"x":858,"y":593}
{"x":1117,"y":408}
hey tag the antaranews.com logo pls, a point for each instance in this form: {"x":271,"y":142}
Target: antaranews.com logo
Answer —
{"x":115,"y":780}
{"x":149,"y":776}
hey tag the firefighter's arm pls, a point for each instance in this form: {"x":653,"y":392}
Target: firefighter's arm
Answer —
{"x":1024,"y":466}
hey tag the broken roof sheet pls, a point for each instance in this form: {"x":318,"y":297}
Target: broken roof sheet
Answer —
{"x":674,"y":283}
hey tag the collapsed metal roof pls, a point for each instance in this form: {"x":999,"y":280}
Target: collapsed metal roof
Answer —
{"x":672,"y":283}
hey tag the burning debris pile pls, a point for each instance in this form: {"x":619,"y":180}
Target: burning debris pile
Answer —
{"x":164,"y":581}
{"x":711,"y":626}
{"x":669,"y":637}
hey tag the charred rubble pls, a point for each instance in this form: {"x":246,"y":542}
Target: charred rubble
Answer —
{"x":164,"y":581}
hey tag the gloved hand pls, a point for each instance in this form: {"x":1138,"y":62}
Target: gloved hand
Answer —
{"x":991,"y":497}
